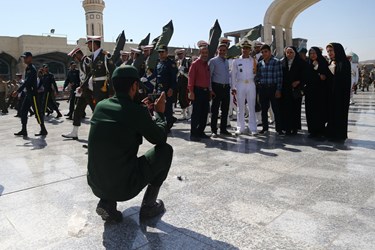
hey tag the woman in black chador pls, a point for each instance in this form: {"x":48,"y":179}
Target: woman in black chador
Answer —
{"x":316,"y":92}
{"x":339,"y":94}
{"x":294,"y":69}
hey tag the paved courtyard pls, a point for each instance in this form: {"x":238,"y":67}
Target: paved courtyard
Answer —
{"x":264,"y":192}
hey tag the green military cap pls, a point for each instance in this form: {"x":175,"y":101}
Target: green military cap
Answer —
{"x":125,"y":71}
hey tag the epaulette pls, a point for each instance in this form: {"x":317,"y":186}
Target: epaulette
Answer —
{"x":107,"y":54}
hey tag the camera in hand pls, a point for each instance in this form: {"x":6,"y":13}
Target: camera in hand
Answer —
{"x":153,"y":97}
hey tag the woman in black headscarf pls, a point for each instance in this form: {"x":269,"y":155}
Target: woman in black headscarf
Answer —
{"x":316,"y":92}
{"x":294,"y":69}
{"x":339,"y":95}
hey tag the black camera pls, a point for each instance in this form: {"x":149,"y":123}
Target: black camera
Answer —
{"x":153,"y":97}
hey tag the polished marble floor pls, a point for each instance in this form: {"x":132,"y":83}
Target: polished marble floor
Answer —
{"x":264,"y":192}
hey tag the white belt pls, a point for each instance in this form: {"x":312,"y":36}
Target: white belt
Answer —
{"x":101,"y":78}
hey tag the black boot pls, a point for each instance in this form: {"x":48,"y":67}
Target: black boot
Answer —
{"x":58,"y":114}
{"x":23,"y":132}
{"x":43,"y":130}
{"x":151,"y":207}
{"x":108,"y":211}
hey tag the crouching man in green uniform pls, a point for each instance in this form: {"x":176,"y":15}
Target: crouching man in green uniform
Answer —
{"x":115,"y":173}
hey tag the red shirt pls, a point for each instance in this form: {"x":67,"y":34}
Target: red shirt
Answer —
{"x":199,"y":75}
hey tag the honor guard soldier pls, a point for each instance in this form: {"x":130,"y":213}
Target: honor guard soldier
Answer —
{"x":115,"y":171}
{"x":124,"y":57}
{"x":98,"y":78}
{"x":73,"y":81}
{"x":83,"y":93}
{"x":166,"y":81}
{"x":101,"y":68}
{"x":30,"y":99}
{"x":50,"y":91}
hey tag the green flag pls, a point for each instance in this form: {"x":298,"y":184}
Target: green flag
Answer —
{"x":120,"y":43}
{"x":252,"y":35}
{"x":215,"y":33}
{"x":145,"y":41}
{"x":141,"y":59}
{"x":164,"y":38}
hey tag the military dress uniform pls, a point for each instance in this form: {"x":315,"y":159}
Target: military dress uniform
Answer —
{"x":73,"y":78}
{"x":115,"y":172}
{"x":83,"y":94}
{"x":166,"y":78}
{"x":50,"y":87}
{"x":243,"y":73}
{"x":30,"y":100}
{"x":98,"y":79}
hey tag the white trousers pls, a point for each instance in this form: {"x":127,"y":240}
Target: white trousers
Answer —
{"x":246,"y":91}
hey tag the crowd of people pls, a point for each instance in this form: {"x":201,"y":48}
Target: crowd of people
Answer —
{"x":256,"y":85}
{"x":258,"y":79}
{"x":130,"y":101}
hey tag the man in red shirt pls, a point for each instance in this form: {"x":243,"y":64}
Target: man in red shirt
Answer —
{"x":199,"y":93}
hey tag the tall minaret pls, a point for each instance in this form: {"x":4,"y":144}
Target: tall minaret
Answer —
{"x":94,"y":17}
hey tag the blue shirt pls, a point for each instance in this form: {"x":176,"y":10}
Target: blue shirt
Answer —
{"x":270,"y":73}
{"x":166,"y":75}
{"x":219,"y":70}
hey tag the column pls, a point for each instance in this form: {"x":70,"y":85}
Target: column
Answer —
{"x":288,"y":36}
{"x":267,"y":33}
{"x":279,"y":37}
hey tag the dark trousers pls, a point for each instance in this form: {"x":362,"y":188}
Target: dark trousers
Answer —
{"x":182,"y":92}
{"x":48,"y":100}
{"x":83,"y":101}
{"x":31,"y":101}
{"x":200,"y":111}
{"x":152,"y":168}
{"x":72,"y":102}
{"x":221,"y":100}
{"x":169,"y":110}
{"x":267,"y":96}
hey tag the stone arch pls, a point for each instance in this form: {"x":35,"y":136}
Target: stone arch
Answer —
{"x":8,"y":67}
{"x":57,"y":62}
{"x":281,"y":15}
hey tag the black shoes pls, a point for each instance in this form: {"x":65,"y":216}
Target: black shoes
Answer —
{"x":43,"y":131}
{"x":225,"y":132}
{"x":150,"y":211}
{"x":204,"y":136}
{"x":263,"y":131}
{"x":108,"y":211}
{"x":151,"y":207}
{"x":21,"y":133}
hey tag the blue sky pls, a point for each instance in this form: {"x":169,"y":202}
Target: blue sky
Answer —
{"x":349,"y":22}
